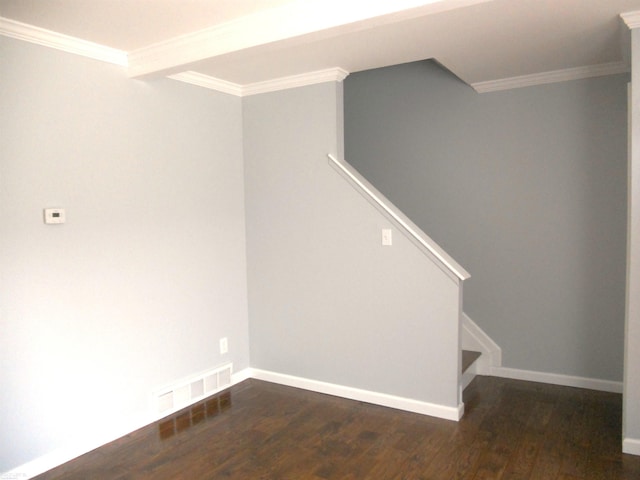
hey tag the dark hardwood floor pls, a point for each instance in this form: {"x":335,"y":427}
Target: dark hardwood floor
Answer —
{"x":257,"y":430}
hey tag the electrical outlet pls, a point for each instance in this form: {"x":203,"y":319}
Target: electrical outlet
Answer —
{"x":224,"y":345}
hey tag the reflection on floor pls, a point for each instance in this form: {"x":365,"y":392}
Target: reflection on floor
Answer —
{"x":257,"y":430}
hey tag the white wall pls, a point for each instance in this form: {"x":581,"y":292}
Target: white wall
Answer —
{"x":327,"y":302}
{"x":149,"y":271}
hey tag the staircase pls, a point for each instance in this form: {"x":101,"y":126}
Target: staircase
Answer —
{"x":447,"y":318}
{"x":468,"y":368}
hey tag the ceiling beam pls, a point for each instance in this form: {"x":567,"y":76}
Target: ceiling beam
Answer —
{"x":298,"y":21}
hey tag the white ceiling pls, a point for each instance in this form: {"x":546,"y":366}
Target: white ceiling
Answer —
{"x":249,"y":41}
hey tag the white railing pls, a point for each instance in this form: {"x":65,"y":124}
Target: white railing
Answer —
{"x":410,"y":229}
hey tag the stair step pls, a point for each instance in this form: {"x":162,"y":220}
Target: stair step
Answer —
{"x":468,"y":357}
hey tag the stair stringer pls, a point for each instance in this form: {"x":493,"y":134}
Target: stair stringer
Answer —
{"x":474,"y":338}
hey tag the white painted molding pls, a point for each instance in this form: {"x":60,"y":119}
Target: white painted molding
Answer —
{"x":212,"y":83}
{"x":554,"y":76}
{"x":63,"y":455}
{"x":293,"y":81}
{"x":441,"y":258}
{"x":66,"y":43}
{"x":631,"y":446}
{"x":558,"y":379}
{"x":284,"y":83}
{"x":252,"y":30}
{"x":48,"y":38}
{"x":474,"y":337}
{"x":76,"y":449}
{"x":376,"y":398}
{"x":293,"y":19}
{"x":241,"y":376}
{"x":631,"y":19}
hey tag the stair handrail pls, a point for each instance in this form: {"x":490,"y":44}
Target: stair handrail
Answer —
{"x":410,"y":228}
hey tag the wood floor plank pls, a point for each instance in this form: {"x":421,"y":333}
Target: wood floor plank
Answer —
{"x":522,"y":462}
{"x":512,"y":430}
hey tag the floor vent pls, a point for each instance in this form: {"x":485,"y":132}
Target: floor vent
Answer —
{"x":193,"y":389}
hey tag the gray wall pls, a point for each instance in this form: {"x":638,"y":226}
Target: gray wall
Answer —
{"x":525,"y":188}
{"x":149,"y":271}
{"x":327,"y":301}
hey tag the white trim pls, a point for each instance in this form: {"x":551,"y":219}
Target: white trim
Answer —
{"x":448,"y":264}
{"x":241,"y":376}
{"x":554,"y":76}
{"x":631,"y":446}
{"x":259,"y":28}
{"x":473,"y":337}
{"x":65,"y":454}
{"x":212,"y":83}
{"x":76,"y":449}
{"x":284,"y":83}
{"x":293,"y":81}
{"x":631,"y":19}
{"x":62,"y":455}
{"x":558,"y":379}
{"x":66,"y":43}
{"x":292,"y":20}
{"x":376,"y":398}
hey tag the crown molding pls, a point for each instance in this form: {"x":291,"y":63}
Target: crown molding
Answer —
{"x":554,"y":76}
{"x":284,"y":83}
{"x":195,"y":78}
{"x":289,"y":20}
{"x":631,"y":19}
{"x":66,"y":43}
{"x":293,"y":81}
{"x":293,"y":19}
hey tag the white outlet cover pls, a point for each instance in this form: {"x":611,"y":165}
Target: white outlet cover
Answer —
{"x":224,"y":345}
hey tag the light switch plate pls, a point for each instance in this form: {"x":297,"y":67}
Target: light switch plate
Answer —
{"x":387,"y":237}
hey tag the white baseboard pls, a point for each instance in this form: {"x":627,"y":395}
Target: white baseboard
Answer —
{"x":557,"y":379}
{"x":63,"y":455}
{"x":491,"y":364}
{"x":631,"y":446}
{"x":241,"y":376}
{"x":401,"y":403}
{"x":69,"y":452}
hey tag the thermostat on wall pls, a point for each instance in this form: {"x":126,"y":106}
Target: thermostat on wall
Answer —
{"x":54,"y":215}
